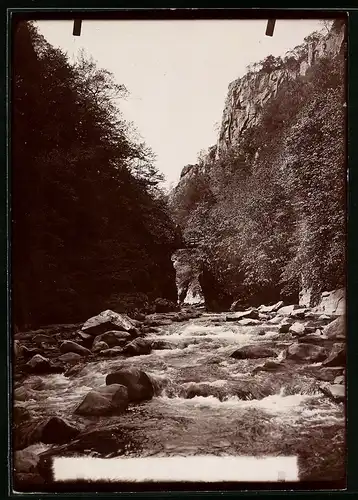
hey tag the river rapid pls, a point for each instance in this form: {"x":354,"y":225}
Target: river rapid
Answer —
{"x":208,"y":403}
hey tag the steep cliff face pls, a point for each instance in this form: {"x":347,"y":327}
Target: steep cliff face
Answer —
{"x":266,"y":204}
{"x":247,"y":95}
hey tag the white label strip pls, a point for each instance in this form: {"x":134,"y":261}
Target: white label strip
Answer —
{"x":206,"y":469}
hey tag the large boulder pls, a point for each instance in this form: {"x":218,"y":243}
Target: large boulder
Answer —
{"x":328,"y":374}
{"x":137,"y":347}
{"x":337,"y":356}
{"x":237,"y":316}
{"x":271,"y":309}
{"x":29,"y":352}
{"x":70,"y":346}
{"x":106,"y":400}
{"x":336,"y":392}
{"x":137,"y":382}
{"x":38,"y":364}
{"x":297,"y":329}
{"x":70,"y":358}
{"x":298,"y":313}
{"x":336,"y":329}
{"x":51,"y":430}
{"x":308,"y":353}
{"x":85,"y":338}
{"x":287,"y":310}
{"x":159,"y":344}
{"x":253,"y":352}
{"x":106,"y":321}
{"x":113,"y":338}
{"x":41,"y":365}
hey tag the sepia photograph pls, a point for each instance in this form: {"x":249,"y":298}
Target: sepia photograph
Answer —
{"x":178,"y":253}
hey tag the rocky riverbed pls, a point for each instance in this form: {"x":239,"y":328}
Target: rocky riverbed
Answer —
{"x":266,"y":381}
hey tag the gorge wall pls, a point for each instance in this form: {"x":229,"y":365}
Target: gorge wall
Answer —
{"x":266,"y":205}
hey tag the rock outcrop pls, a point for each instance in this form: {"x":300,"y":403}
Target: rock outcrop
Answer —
{"x":247,"y":95}
{"x":187,"y":266}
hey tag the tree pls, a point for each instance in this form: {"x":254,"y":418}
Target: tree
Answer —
{"x":91,"y":229}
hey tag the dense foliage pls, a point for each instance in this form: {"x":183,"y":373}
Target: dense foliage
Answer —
{"x":90,"y":226}
{"x":275,"y":220}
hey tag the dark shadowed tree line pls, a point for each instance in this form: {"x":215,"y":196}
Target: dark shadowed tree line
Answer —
{"x":90,"y":227}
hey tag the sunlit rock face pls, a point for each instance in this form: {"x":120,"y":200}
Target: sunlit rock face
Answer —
{"x":187,"y":266}
{"x":247,"y":95}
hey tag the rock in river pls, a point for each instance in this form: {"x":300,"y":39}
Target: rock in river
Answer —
{"x":287,"y":310}
{"x":337,"y":356}
{"x":106,"y":321}
{"x":237,"y":316}
{"x":253,"y":352}
{"x":51,"y":430}
{"x":70,"y":358}
{"x":297,"y":329}
{"x":305,"y":353}
{"x":137,"y":382}
{"x":70,"y":346}
{"x":329,"y":374}
{"x":336,"y":329}
{"x":137,"y":347}
{"x":113,"y":338}
{"x":336,"y":392}
{"x":38,"y":364}
{"x":270,"y":309}
{"x":298,"y":313}
{"x":109,"y":399}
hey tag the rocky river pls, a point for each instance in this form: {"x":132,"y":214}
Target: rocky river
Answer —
{"x":227,"y":384}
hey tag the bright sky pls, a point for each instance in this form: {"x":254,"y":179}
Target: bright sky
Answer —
{"x":177,"y":72}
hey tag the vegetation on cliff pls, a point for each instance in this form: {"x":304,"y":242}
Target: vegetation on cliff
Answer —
{"x":270,"y":212}
{"x":90,"y":226}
